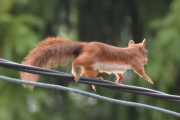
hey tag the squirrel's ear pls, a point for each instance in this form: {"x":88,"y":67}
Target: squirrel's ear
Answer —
{"x":144,"y":42}
{"x":131,"y":42}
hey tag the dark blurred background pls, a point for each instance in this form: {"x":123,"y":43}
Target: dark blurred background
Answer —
{"x":23,"y":23}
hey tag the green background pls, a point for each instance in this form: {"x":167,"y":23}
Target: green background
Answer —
{"x":23,"y":23}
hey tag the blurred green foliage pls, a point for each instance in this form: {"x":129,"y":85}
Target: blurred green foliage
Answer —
{"x":23,"y":23}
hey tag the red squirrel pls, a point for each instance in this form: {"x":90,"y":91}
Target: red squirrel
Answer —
{"x":91,"y":57}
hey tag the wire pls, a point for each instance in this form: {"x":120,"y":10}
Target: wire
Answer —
{"x":90,"y":81}
{"x":58,"y":87}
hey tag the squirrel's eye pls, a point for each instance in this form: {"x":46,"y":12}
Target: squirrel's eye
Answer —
{"x":146,"y":52}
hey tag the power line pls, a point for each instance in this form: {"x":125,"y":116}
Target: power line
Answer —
{"x":90,"y":81}
{"x":58,"y":87}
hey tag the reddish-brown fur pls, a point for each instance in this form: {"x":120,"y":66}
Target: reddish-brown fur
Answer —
{"x":58,"y":51}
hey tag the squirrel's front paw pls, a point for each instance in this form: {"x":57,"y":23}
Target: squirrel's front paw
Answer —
{"x":101,"y":78}
{"x":119,"y":80}
{"x":149,"y":80}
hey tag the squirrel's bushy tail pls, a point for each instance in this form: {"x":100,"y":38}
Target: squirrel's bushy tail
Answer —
{"x":50,"y":52}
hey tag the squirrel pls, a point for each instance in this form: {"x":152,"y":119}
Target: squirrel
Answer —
{"x":91,"y":57}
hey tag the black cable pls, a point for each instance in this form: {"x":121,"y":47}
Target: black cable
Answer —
{"x":90,"y":81}
{"x":53,"y":73}
{"x":42,"y":71}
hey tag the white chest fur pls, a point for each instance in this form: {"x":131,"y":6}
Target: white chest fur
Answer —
{"x":110,"y":68}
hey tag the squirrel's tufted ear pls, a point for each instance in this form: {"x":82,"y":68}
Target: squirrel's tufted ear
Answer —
{"x":144,"y":42}
{"x":131,"y":42}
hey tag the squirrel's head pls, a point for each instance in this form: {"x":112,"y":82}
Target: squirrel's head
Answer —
{"x":141,"y":48}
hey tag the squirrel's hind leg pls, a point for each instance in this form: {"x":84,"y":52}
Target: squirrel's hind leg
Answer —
{"x":90,"y":72}
{"x":84,"y":61}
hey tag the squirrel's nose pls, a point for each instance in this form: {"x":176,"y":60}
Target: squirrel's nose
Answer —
{"x":144,"y":63}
